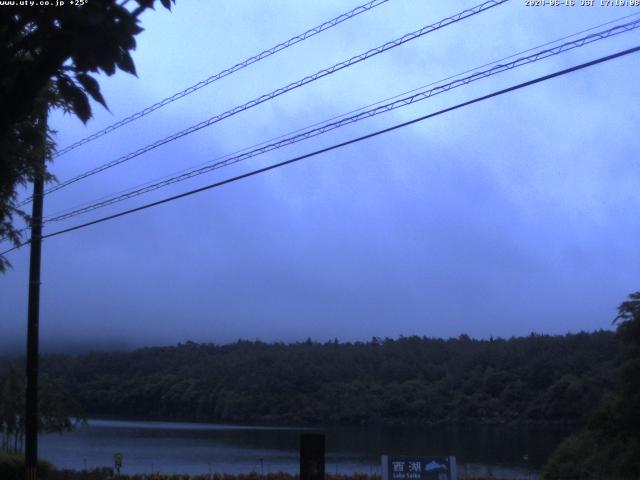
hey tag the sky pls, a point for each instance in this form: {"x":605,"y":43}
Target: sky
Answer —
{"x":511,"y":216}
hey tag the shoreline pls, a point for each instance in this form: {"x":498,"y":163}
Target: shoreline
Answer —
{"x":275,"y":425}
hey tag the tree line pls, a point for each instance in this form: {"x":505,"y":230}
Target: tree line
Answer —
{"x":608,"y":444}
{"x":539,"y":378}
{"x":58,"y":409}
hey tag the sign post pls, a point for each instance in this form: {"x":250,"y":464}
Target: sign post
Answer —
{"x":117,"y":462}
{"x":312,"y":448}
{"x":395,"y":467}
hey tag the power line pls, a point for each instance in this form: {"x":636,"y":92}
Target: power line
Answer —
{"x":226,"y":72}
{"x":343,"y":144}
{"x":342,"y":115}
{"x":269,"y":96}
{"x":409,"y":100}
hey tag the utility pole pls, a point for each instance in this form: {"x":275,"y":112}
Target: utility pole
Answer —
{"x":33,"y":320}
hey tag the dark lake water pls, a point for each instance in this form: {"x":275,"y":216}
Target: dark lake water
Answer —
{"x":172,"y":447}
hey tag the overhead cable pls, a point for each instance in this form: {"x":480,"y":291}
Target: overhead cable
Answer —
{"x":408,"y":100}
{"x":342,"y":115}
{"x":342,"y":144}
{"x":269,"y":96}
{"x":224,"y":73}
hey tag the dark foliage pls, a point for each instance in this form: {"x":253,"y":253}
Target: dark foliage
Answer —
{"x":57,"y":408}
{"x":532,"y":379}
{"x":609,"y":445}
{"x":49,"y":55}
{"x":12,"y":467}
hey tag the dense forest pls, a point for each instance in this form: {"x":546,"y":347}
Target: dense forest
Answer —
{"x":539,"y":378}
{"x":608,"y":444}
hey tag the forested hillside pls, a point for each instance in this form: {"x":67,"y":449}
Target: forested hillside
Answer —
{"x":537,"y":378}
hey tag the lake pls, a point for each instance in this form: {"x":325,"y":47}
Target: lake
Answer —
{"x":197,"y":448}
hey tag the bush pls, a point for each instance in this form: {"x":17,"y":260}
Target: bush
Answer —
{"x":12,"y":467}
{"x":587,"y":456}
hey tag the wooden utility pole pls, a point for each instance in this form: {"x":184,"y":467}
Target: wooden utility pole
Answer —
{"x":33,"y":320}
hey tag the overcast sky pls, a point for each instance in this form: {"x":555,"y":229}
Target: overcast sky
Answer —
{"x":512,"y":216}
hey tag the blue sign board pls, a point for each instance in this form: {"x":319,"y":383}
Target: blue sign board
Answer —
{"x":418,"y":468}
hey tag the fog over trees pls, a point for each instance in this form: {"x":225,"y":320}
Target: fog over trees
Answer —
{"x":538,"y":378}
